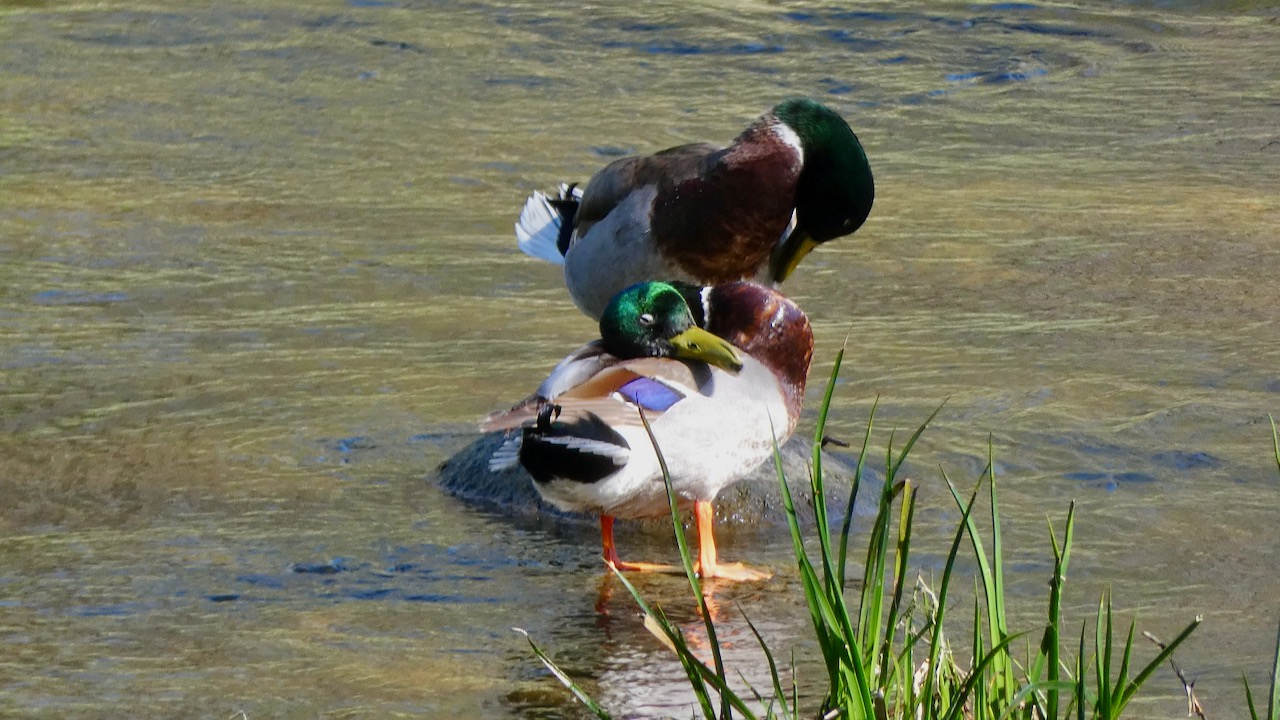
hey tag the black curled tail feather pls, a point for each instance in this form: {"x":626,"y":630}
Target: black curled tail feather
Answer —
{"x":567,"y":206}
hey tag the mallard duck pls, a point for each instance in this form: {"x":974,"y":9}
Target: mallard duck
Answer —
{"x":715,"y":403}
{"x":795,"y":178}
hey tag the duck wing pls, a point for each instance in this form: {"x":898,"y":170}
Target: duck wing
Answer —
{"x":576,"y":368}
{"x":589,"y":377}
{"x":617,"y":180}
{"x":581,"y":435}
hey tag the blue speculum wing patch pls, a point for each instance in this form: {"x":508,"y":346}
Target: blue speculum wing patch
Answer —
{"x":650,"y":394}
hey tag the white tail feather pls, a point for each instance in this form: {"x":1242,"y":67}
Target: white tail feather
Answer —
{"x":507,"y":455}
{"x":538,"y":229}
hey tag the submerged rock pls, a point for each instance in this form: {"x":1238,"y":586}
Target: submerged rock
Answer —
{"x":753,"y":502}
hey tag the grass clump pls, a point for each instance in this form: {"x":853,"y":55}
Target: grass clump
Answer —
{"x":886,"y":654}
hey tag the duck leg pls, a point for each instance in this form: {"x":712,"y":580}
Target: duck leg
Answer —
{"x":707,"y":566}
{"x":611,"y":553}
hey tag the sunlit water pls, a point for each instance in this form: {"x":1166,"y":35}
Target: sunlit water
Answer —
{"x":257,"y":281}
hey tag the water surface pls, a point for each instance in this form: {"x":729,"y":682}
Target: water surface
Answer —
{"x":257,"y":281}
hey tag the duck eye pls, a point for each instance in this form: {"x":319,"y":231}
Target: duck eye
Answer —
{"x":646,"y":319}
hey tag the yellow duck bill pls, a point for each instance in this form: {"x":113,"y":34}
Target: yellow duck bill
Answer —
{"x":698,"y":344}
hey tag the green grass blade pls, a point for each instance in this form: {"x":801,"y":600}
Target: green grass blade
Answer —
{"x":1123,"y":676}
{"x":698,"y":673}
{"x":998,"y":620}
{"x":1036,"y":684}
{"x":564,"y":678}
{"x":871,"y":600}
{"x":808,"y":577}
{"x":1248,"y":696}
{"x":687,"y":559}
{"x":935,"y":640}
{"x":1275,"y":441}
{"x":906,"y":449}
{"x":829,"y":568}
{"x":795,"y":685}
{"x":778,"y":694}
{"x":854,"y":486}
{"x":845,"y":665}
{"x":1102,"y":647}
{"x":871,"y":597}
{"x":974,"y":679}
{"x":1080,"y":702}
{"x":980,"y":689}
{"x":1027,"y":694}
{"x":899,"y":580}
{"x":1273,"y":701}
{"x":1132,"y":686}
{"x":693,"y":666}
{"x":1050,"y":645}
{"x":687,"y":660}
{"x":992,"y":583}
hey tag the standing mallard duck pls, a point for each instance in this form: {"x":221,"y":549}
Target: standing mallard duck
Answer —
{"x":714,"y":410}
{"x":795,"y":178}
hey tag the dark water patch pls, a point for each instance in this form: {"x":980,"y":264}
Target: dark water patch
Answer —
{"x":1213,"y":382}
{"x":397,"y":45}
{"x":77,"y":297}
{"x":921,"y":97}
{"x":612,"y":151}
{"x":437,"y":439}
{"x":1013,"y":76}
{"x":1000,"y":65}
{"x":262,"y":580}
{"x":123,"y":609}
{"x":865,"y":15}
{"x":451,"y":599}
{"x":1057,"y":30}
{"x":1111,"y":481}
{"x":671,"y":46}
{"x":330,"y":21}
{"x":646,"y":27}
{"x":835,"y":86}
{"x":324,"y":567}
{"x":1186,"y":460}
{"x":529,"y":82}
{"x":428,"y":573}
{"x":151,"y":30}
{"x":346,"y":449}
{"x":853,"y":40}
{"x":502,"y":166}
{"x":352,"y":444}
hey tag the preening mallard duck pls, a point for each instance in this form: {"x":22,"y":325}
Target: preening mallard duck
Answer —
{"x":715,"y":405}
{"x":795,"y":178}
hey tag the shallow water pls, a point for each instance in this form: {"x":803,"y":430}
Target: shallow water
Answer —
{"x":257,"y":281}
